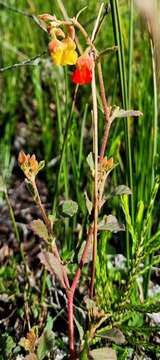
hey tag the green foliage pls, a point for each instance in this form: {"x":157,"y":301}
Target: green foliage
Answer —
{"x":45,"y":344}
{"x":69,"y":208}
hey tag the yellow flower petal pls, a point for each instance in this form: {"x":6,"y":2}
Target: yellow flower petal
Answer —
{"x":57,"y":57}
{"x":70,"y":44}
{"x":69,"y":57}
{"x":63,"y":52}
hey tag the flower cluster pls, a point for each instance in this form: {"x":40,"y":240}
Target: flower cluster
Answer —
{"x":62,"y":48}
{"x":29,"y":165}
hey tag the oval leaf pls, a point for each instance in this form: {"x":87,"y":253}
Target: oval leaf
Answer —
{"x":114,"y":335}
{"x":45,"y":344}
{"x":69,"y":208}
{"x":40,"y":229}
{"x":122,"y":189}
{"x":105,"y":353}
{"x":110,"y":223}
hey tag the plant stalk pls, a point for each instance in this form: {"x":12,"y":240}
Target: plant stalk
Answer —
{"x":95,"y":125}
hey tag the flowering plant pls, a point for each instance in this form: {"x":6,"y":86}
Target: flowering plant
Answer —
{"x":63,"y":51}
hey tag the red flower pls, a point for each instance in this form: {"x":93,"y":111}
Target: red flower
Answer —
{"x":83,"y":72}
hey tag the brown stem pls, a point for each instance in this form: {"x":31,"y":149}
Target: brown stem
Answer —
{"x":95,"y":124}
{"x":104,"y":142}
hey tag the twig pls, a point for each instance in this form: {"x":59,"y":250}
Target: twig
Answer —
{"x":33,"y":61}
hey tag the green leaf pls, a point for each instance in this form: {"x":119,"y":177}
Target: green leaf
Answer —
{"x":125,"y":207}
{"x":2,"y":185}
{"x":110,"y":223}
{"x":45,"y":344}
{"x":139,"y":217}
{"x":122,"y":189}
{"x":53,"y":265}
{"x":10,"y":345}
{"x":90,"y":162}
{"x":69,"y":208}
{"x":84,"y":354}
{"x":41,"y":165}
{"x":40,"y":229}
{"x":104,"y":353}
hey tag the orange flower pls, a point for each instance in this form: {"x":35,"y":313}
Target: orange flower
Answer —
{"x":63,"y":52}
{"x":83,"y":72}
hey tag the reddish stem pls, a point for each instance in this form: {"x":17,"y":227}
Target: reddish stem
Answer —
{"x":71,"y":291}
{"x":104,"y":142}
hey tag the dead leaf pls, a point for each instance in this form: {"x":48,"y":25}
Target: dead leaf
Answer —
{"x":31,"y":356}
{"x":115,"y":335}
{"x":5,"y":251}
{"x":53,"y":265}
{"x":110,"y":223}
{"x":104,"y":353}
{"x":88,"y":256}
{"x":29,"y":342}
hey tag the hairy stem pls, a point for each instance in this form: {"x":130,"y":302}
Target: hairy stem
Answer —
{"x":95,"y":125}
